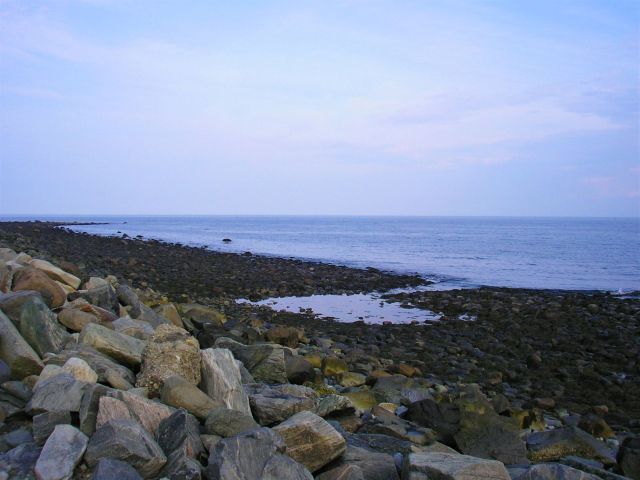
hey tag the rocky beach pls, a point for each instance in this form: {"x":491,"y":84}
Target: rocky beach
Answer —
{"x":125,"y":358}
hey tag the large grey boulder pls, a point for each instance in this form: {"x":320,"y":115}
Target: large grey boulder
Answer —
{"x":128,"y":441}
{"x":40,"y":328}
{"x":21,"y":358}
{"x":117,"y":404}
{"x":121,"y":348}
{"x":59,"y":393}
{"x":44,"y":424}
{"x":19,"y":462}
{"x":129,"y":298}
{"x":343,"y":472}
{"x":221,"y":379}
{"x":445,"y":466}
{"x":271,"y":406}
{"x":372,"y":465}
{"x":103,"y":296}
{"x":179,"y":393}
{"x":181,"y":467}
{"x":56,"y":273}
{"x":555,"y":471}
{"x":552,"y":445}
{"x":109,"y":371}
{"x":61,"y":453}
{"x":311,"y":440}
{"x":181,"y":431}
{"x":265,"y":361}
{"x":227,"y":423}
{"x":257,"y":454}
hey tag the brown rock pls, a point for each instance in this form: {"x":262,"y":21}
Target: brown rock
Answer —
{"x":29,"y":278}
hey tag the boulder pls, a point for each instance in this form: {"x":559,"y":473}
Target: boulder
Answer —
{"x":40,"y":328}
{"x":343,"y":472}
{"x":362,"y":399}
{"x":387,"y":423}
{"x":56,"y":273}
{"x":103,"y":296}
{"x":120,"y":347}
{"x":110,"y":469}
{"x":351,"y":379}
{"x":265,"y":361}
{"x":109,"y":372}
{"x":59,"y":393}
{"x":555,"y":471}
{"x":29,"y":278}
{"x":128,"y":441}
{"x":179,"y":393}
{"x":285,"y":336}
{"x":181,"y":431}
{"x":552,"y":445}
{"x":329,"y":405}
{"x":180,"y":466}
{"x":61,"y":453}
{"x":221,"y":379}
{"x":311,"y":440}
{"x":228,"y":423}
{"x":19,"y":462}
{"x":170,"y":351}
{"x":444,"y":466}
{"x":271,"y":406}
{"x":257,"y":454}
{"x":170,"y":312}
{"x":44,"y":424}
{"x":629,"y":457}
{"x":129,"y":298}
{"x":16,"y":352}
{"x":334,"y":366}
{"x":374,"y":465}
{"x":134,"y":328}
{"x":76,"y":319}
{"x":128,"y":405}
{"x":149,"y":315}
{"x":200,"y":314}
{"x":89,"y":405}
{"x":11,"y":303}
{"x":298,"y":369}
{"x":80,"y":370}
{"x":5,"y":371}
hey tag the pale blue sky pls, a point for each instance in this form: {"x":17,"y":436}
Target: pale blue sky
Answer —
{"x":329,"y":107}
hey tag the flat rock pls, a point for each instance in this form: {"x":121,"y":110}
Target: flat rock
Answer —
{"x":128,"y":441}
{"x":134,"y":328}
{"x":61,"y":453}
{"x":227,"y":423}
{"x":122,"y":348}
{"x":21,"y":358}
{"x":20,"y":461}
{"x":329,"y":405}
{"x":271,"y":406}
{"x":170,"y":351}
{"x":311,"y":440}
{"x":29,"y":278}
{"x":554,"y":444}
{"x":221,"y":379}
{"x":179,"y":393}
{"x":444,"y":466}
{"x":59,"y":393}
{"x":265,"y":361}
{"x":170,"y":312}
{"x":201,"y":314}
{"x":56,"y":273}
{"x":111,"y":469}
{"x":257,"y":454}
{"x":109,"y":371}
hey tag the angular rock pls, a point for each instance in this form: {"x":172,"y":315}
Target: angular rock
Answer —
{"x":61,"y":453}
{"x":444,"y":466}
{"x":80,"y":370}
{"x":333,"y":366}
{"x":107,"y":369}
{"x":221,"y":379}
{"x":18,"y":389}
{"x":170,"y":312}
{"x":257,"y":454}
{"x":16,"y":437}
{"x":29,"y":278}
{"x":298,"y":369}
{"x":181,"y":431}
{"x":228,"y":423}
{"x":200,"y":315}
{"x":128,"y":441}
{"x":103,"y":296}
{"x":387,"y":423}
{"x":40,"y":328}
{"x":146,"y":412}
{"x":110,"y":469}
{"x":179,"y":393}
{"x":343,"y":472}
{"x":19,"y":462}
{"x":271,"y":406}
{"x":443,"y":417}
{"x":181,"y":467}
{"x":265,"y":361}
{"x":311,"y":440}
{"x":374,"y":465}
{"x":5,"y":371}
{"x":129,"y":298}
{"x":44,"y":424}
{"x":59,"y":393}
{"x":16,"y":352}
{"x":285,"y":336}
{"x":555,"y":471}
{"x":170,"y":351}
{"x":351,"y":379}
{"x":134,"y":328}
{"x":629,"y":457}
{"x":89,"y":405}
{"x":56,"y":273}
{"x":11,"y":303}
{"x":120,"y":347}
{"x":552,"y":445}
{"x":76,"y":319}
{"x":334,"y":405}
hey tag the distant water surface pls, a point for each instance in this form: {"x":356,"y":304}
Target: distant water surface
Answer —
{"x":556,"y":253}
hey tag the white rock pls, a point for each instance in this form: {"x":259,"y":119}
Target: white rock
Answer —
{"x":61,"y":453}
{"x":80,"y":370}
{"x":221,"y":379}
{"x":56,"y":273}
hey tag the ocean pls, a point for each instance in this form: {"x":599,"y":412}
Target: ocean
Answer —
{"x":454,"y":252}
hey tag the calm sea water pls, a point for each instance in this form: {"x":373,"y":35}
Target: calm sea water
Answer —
{"x":557,"y":253}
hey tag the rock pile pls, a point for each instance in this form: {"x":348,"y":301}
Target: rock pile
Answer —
{"x":98,"y":380}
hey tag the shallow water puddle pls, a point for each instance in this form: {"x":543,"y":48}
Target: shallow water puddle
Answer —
{"x":350,"y":308}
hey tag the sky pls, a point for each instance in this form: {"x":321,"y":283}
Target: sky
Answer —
{"x":346,"y":107}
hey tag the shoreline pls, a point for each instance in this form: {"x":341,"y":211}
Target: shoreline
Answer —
{"x":560,"y":359}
